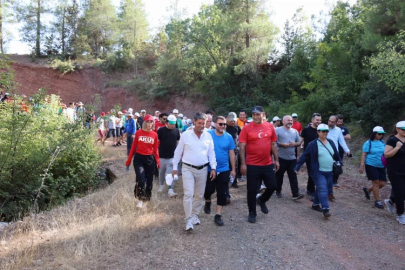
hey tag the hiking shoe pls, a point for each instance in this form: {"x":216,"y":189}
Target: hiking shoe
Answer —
{"x":235,"y":184}
{"x":326,"y":213}
{"x":139,"y":204}
{"x":171,"y":193}
{"x":279,"y":195}
{"x":228,"y":200}
{"x":310,"y":196}
{"x":297,"y":196}
{"x":378,"y":204}
{"x":316,"y":208}
{"x":263,"y":206}
{"x":366,"y":193}
{"x":262,"y":187}
{"x":189,"y":225}
{"x":161,"y":188}
{"x":390,"y":206}
{"x":401,"y":219}
{"x":252,"y":217}
{"x":331,"y":197}
{"x":195,"y":220}
{"x":218,"y":220}
{"x":243,"y":178}
{"x":207,"y":207}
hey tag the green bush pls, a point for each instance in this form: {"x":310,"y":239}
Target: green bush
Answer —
{"x":63,"y":66}
{"x":27,"y":143}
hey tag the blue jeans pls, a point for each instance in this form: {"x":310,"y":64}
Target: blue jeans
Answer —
{"x":322,"y":184}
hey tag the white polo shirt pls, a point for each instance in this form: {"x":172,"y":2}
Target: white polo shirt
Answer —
{"x":196,"y":151}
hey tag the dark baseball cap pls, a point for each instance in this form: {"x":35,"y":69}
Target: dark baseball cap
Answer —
{"x":257,"y":109}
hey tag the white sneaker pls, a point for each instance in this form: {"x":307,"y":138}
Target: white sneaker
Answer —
{"x":401,"y":219}
{"x":189,"y":225}
{"x":243,"y":178}
{"x":139,"y":204}
{"x":390,"y":207}
{"x":171,"y":193}
{"x":161,"y":188}
{"x":195,"y":220}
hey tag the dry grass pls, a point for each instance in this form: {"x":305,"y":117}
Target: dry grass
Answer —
{"x":77,"y":235}
{"x":85,"y":228}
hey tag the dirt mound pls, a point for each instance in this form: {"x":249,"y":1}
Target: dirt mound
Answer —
{"x":81,"y":85}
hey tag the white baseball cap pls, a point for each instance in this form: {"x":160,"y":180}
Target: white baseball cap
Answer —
{"x":323,"y":127}
{"x":276,"y":118}
{"x":401,"y":124}
{"x":294,"y":115}
{"x":180,"y":115}
{"x":175,"y":111}
{"x":172,"y":119}
{"x":137,"y":114}
{"x":143,"y":111}
{"x":379,"y":130}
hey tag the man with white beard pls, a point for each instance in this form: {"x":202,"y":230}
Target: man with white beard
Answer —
{"x":288,"y":139}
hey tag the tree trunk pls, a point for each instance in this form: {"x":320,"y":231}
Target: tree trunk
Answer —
{"x":247,"y":21}
{"x":38,"y":44}
{"x":1,"y":27}
{"x":63,"y":30}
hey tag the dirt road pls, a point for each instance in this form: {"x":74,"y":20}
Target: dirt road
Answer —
{"x":106,"y":231}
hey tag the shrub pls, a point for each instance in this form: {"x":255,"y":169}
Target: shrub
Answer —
{"x":63,"y":66}
{"x":27,"y":143}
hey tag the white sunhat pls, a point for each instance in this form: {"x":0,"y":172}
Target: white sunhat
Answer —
{"x":180,"y":115}
{"x":276,"y":118}
{"x":379,"y":130}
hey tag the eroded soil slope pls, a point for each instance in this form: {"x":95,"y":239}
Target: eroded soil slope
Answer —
{"x":81,"y":85}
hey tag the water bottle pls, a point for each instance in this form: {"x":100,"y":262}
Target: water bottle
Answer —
{"x":176,"y":177}
{"x":232,"y":179}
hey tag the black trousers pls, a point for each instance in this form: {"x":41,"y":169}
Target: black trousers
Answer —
{"x":255,"y":176}
{"x":398,"y":188}
{"x":287,"y":165}
{"x":144,"y":167}
{"x":310,"y":184}
{"x":220,"y":184}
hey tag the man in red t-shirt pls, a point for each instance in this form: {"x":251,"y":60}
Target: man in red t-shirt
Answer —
{"x":257,"y":142}
{"x":161,"y":122}
{"x":296,"y":125}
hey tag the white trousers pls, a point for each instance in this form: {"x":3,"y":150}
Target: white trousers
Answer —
{"x":194,"y":182}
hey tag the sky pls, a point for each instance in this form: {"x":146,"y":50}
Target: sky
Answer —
{"x":158,"y":12}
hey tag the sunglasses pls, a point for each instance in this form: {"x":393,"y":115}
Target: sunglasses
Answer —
{"x":380,"y":134}
{"x":324,"y":131}
{"x":164,"y":119}
{"x":222,"y":124}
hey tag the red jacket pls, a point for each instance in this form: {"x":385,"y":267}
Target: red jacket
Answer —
{"x":145,"y":143}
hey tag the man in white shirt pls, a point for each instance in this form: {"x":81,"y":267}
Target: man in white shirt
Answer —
{"x":70,"y":113}
{"x":335,"y":134}
{"x":197,"y":148}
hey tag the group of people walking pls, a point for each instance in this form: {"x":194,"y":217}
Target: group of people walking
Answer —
{"x":217,"y":150}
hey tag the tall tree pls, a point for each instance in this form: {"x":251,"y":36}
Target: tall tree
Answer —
{"x":100,"y":26}
{"x":133,"y":28}
{"x":33,"y":29}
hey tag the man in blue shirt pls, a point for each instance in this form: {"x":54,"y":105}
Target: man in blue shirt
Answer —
{"x":224,"y":152}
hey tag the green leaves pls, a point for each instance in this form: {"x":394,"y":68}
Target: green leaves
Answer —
{"x":388,"y":64}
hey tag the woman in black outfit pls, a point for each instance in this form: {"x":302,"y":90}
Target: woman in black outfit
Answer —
{"x":395,"y":154}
